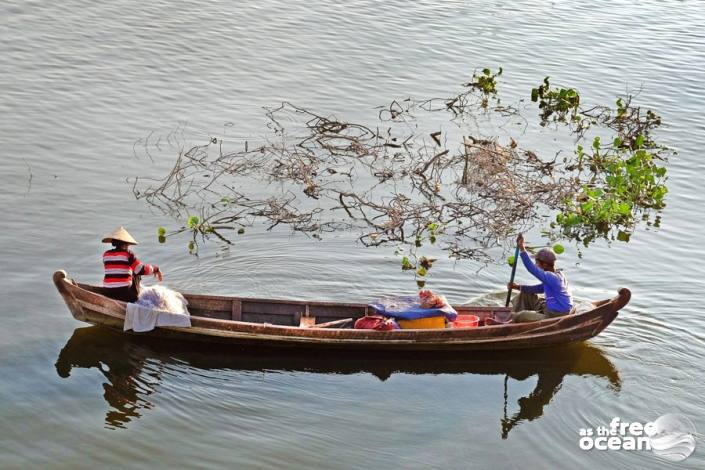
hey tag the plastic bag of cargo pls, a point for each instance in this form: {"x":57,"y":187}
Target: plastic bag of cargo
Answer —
{"x":428,"y":299}
{"x":376,"y":322}
{"x":408,"y":307}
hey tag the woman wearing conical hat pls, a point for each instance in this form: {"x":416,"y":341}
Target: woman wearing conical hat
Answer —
{"x":123,"y":270}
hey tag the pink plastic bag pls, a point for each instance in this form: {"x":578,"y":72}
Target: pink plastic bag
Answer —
{"x":376,"y":322}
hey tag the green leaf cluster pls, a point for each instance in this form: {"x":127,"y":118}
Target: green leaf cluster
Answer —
{"x":421,"y":265}
{"x":623,"y":181}
{"x":560,"y":104}
{"x":486,"y":81}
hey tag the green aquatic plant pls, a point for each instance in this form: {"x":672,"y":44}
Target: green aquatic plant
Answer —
{"x":421,"y":264}
{"x":486,"y":83}
{"x":621,"y":186}
{"x":193,"y":222}
{"x":561,"y":104}
{"x":201,"y":229}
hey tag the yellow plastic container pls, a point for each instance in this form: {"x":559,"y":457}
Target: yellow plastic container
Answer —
{"x":430,"y":323}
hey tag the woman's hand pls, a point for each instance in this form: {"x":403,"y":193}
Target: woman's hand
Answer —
{"x":158,"y":274}
{"x":520,"y":243}
{"x":513,"y":285}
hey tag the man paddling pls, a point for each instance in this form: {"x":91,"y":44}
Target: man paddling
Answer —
{"x":123,"y":271}
{"x":528,"y":306}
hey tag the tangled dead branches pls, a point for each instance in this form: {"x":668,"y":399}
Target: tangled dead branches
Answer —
{"x":391,"y":182}
{"x":389,"y":185}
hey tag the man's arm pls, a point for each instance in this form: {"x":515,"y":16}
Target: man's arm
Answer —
{"x":535,"y":271}
{"x":535,"y":289}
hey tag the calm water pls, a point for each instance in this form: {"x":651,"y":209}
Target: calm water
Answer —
{"x":82,"y":82}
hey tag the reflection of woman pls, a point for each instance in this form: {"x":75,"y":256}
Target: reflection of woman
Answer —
{"x":126,"y":389}
{"x":123,"y":270}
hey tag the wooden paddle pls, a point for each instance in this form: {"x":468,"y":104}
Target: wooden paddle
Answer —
{"x":514,"y":271}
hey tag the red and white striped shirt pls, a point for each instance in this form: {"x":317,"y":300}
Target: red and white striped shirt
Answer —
{"x":121,"y":265}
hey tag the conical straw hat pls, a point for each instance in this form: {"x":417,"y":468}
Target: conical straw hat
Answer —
{"x":120,"y":234}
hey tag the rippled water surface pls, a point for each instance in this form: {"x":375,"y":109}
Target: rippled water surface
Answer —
{"x":82,"y":82}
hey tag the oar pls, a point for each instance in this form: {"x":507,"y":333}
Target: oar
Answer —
{"x":514,"y":271}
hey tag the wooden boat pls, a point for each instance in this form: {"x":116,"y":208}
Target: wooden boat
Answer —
{"x":309,"y":325}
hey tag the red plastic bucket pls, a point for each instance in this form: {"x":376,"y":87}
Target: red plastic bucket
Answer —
{"x":466,"y":321}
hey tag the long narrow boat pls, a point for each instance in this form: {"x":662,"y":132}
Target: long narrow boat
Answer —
{"x":311,"y":325}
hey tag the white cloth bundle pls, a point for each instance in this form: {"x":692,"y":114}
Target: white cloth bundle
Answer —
{"x":157,"y":306}
{"x":140,"y":319}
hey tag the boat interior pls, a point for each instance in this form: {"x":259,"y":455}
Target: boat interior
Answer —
{"x":309,"y":314}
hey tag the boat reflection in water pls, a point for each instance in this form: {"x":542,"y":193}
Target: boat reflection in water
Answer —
{"x":122,"y":360}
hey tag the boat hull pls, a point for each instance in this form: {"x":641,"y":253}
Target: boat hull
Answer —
{"x":274,"y":324}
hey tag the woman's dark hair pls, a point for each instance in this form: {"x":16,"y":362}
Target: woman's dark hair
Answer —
{"x":119,"y":244}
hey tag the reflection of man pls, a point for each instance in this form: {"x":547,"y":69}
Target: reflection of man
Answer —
{"x":531,"y":406}
{"x":554,"y":285}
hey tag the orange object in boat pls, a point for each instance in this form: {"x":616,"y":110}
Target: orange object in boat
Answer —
{"x":430,"y":323}
{"x":466,"y":321}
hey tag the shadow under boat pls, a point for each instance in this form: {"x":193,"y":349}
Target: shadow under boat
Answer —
{"x":127,"y":393}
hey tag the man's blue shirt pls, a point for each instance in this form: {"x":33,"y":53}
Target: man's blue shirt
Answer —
{"x":553,"y":284}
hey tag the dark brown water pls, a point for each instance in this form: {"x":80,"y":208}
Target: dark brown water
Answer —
{"x":82,"y":82}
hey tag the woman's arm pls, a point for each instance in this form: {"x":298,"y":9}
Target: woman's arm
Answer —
{"x":142,"y":269}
